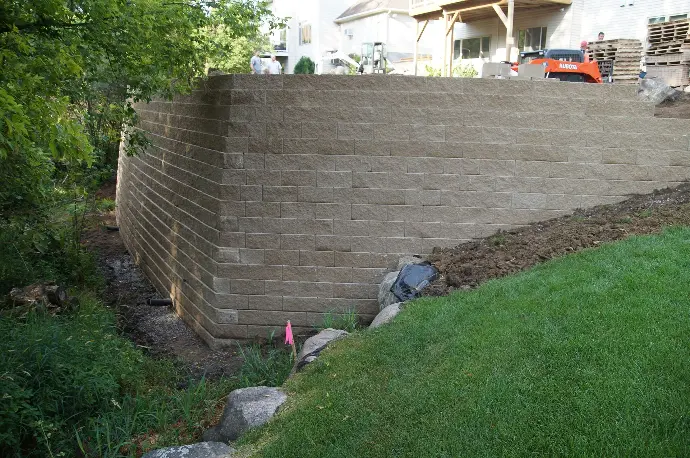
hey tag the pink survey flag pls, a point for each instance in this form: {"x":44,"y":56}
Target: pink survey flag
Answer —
{"x":289,"y":340}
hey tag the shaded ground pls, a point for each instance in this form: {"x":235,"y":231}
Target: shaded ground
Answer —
{"x":157,"y":329}
{"x":505,"y":253}
{"x":676,"y":109}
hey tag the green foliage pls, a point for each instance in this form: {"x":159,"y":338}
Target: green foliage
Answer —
{"x":464,"y":71}
{"x":266,"y":365}
{"x":70,"y":382}
{"x":72,"y":69}
{"x":232,"y":54}
{"x":459,"y":70}
{"x":347,"y":321}
{"x":36,"y":249}
{"x":585,"y":355}
{"x":305,"y":66}
{"x":357,"y":58}
{"x":431,"y":71}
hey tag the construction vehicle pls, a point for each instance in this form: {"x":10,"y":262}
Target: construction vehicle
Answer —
{"x":563,"y":64}
{"x":373,"y":58}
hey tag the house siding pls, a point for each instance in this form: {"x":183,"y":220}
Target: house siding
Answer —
{"x":582,"y":20}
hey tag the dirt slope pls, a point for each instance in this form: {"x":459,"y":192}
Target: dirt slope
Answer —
{"x":677,"y":109}
{"x":473,"y":263}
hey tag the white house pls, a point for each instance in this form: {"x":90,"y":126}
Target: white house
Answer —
{"x":316,"y":28}
{"x":310,"y":30}
{"x":479,"y":35}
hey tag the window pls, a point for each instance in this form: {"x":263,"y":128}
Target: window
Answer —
{"x":304,"y":34}
{"x":532,"y":39}
{"x":673,"y":17}
{"x":472,"y":48}
{"x":279,"y":40}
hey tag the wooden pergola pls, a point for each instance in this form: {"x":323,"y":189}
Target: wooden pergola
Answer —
{"x":452,"y":11}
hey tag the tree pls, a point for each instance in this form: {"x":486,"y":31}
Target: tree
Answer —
{"x":70,"y":71}
{"x":72,"y":67}
{"x":232,"y":54}
{"x":305,"y":66}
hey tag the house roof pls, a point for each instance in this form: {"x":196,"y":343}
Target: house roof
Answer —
{"x":365,"y":6}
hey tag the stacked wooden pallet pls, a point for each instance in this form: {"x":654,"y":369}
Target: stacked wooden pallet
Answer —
{"x":668,"y":54}
{"x":625,"y":55}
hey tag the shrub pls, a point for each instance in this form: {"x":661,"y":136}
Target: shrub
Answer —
{"x":464,"y":71}
{"x":305,"y":66}
{"x":71,"y":385}
{"x":57,"y":371}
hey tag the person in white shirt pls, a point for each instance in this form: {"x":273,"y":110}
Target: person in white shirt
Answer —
{"x":274,"y":66}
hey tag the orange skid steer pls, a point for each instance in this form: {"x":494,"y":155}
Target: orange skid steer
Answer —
{"x":563,"y":64}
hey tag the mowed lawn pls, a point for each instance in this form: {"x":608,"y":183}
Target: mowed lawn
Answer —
{"x":588,"y":355}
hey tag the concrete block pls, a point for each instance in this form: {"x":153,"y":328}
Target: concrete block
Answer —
{"x":391,"y":132}
{"x":320,"y":130}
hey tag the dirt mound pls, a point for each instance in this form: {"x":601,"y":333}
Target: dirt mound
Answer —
{"x":505,"y":253}
{"x":674,"y":109}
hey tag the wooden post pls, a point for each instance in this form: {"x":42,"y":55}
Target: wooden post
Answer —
{"x":451,"y":45}
{"x":445,"y":44}
{"x":509,"y":29}
{"x":416,"y":45}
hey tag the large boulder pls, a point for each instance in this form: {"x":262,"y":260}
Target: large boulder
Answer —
{"x":315,"y":344}
{"x":405,"y":260}
{"x":200,"y":450}
{"x":652,"y":90}
{"x":386,"y":297}
{"x":386,"y":315}
{"x":246,"y":408}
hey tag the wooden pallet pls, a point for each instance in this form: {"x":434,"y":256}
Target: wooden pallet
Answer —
{"x":666,"y":26}
{"x":669,"y":58}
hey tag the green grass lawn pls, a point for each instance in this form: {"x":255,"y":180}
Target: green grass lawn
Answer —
{"x":588,"y":355}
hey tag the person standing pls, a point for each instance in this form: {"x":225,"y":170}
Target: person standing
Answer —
{"x":274,"y":66}
{"x":255,"y":64}
{"x":600,"y":37}
{"x":583,"y":48}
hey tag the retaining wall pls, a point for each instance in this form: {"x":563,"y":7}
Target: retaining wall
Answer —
{"x":271,"y":198}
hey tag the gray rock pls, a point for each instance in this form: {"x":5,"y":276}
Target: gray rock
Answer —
{"x":200,"y":450}
{"x":405,"y":260}
{"x":386,"y":315}
{"x":246,"y":408}
{"x":387,"y":298}
{"x":315,"y":344}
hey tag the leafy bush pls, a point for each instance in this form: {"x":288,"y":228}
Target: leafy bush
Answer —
{"x":431,"y":71}
{"x":459,"y":70}
{"x":70,"y":382}
{"x":35,"y":249}
{"x":305,"y":66}
{"x":464,"y":71}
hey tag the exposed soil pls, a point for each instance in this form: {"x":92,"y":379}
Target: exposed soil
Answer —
{"x":674,"y":109}
{"x":156,"y":329}
{"x":505,"y":253}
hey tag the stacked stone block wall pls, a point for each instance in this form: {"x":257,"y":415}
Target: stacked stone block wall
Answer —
{"x":271,"y":198}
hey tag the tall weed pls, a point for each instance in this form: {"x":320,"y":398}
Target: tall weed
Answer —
{"x":266,"y":365}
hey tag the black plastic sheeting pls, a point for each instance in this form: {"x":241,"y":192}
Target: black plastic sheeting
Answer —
{"x":412,"y":279}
